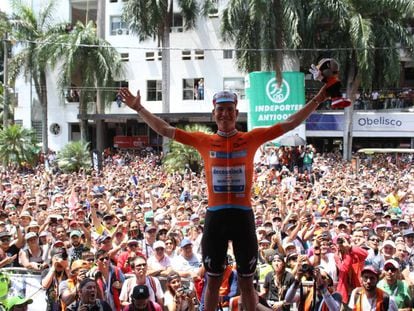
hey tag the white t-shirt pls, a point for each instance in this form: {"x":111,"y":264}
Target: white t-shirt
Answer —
{"x":155,"y":264}
{"x":179,"y":263}
{"x":130,"y":283}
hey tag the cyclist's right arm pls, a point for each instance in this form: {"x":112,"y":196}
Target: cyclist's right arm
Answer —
{"x":156,"y":123}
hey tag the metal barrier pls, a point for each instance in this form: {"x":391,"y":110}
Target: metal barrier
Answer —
{"x":26,"y":283}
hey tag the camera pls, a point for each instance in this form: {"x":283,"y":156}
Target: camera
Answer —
{"x":184,"y":291}
{"x":93,"y":308}
{"x":98,"y":195}
{"x":340,"y":241}
{"x":307,"y":268}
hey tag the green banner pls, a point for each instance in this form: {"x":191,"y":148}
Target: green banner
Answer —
{"x":269,"y":104}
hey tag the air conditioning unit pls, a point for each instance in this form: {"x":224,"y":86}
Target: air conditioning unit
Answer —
{"x":123,"y":31}
{"x":177,"y":29}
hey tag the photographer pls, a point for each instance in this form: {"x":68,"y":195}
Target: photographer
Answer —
{"x":350,"y":261}
{"x":176,"y":297}
{"x":88,"y":301}
{"x":276,"y":284}
{"x":317,"y":294}
{"x":68,"y":289}
{"x":51,"y":278}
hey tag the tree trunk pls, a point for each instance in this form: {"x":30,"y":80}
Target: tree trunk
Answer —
{"x":5,"y":84}
{"x":165,"y":43}
{"x":353,"y":82}
{"x":44,"y":105}
{"x":83,"y":122}
{"x":100,"y":104}
{"x":278,"y":58}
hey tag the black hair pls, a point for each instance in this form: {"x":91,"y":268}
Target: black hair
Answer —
{"x":85,"y":281}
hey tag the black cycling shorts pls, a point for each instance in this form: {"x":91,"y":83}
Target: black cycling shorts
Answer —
{"x":225,"y":225}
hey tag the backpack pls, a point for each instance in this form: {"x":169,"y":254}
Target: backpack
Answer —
{"x":385,"y":302}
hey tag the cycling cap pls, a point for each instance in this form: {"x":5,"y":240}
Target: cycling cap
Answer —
{"x":225,"y":97}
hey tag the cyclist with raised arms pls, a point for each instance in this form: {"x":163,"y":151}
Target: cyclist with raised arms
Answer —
{"x":228,"y":160}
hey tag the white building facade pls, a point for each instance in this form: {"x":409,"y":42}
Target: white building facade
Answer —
{"x":198,"y":57}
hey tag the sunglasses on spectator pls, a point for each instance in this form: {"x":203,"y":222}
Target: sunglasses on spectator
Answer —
{"x":374,"y":240}
{"x":390,"y":269}
{"x":102,"y":259}
{"x":7,"y":239}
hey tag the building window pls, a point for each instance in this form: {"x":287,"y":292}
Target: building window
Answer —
{"x":118,"y":26}
{"x":159,"y":55}
{"x":113,"y":1}
{"x":193,"y":89}
{"x":149,"y":56}
{"x":214,"y":11}
{"x":154,"y":90}
{"x":235,"y":85}
{"x":186,"y":55}
{"x":227,"y":54}
{"x":199,"y":54}
{"x":177,"y":23}
{"x":125,"y":57}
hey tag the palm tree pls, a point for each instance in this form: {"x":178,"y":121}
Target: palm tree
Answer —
{"x":31,"y":30}
{"x":153,"y":19}
{"x":259,"y":31}
{"x":180,"y":156}
{"x":74,"y":156}
{"x":4,"y":29}
{"x":365,"y":27}
{"x":5,"y":106}
{"x":87,"y":60}
{"x":18,"y":146}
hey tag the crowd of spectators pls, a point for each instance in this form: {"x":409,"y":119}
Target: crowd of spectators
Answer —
{"x":128,"y":237}
{"x":378,"y":100}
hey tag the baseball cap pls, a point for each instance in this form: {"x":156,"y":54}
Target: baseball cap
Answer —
{"x":388,"y":243}
{"x":225,"y":97}
{"x":278,"y":256}
{"x":261,"y":229}
{"x":140,"y":292}
{"x":11,"y":302}
{"x":264,"y":241}
{"x":194,"y":216}
{"x":25,"y":214}
{"x":149,"y":228}
{"x":371,"y":269}
{"x":77,"y":264}
{"x":33,"y":224}
{"x":4,"y":234}
{"x":30,"y":235}
{"x":102,"y":238}
{"x":132,"y":242}
{"x":408,"y":232}
{"x":158,"y":244}
{"x":185,"y":242}
{"x":58,"y":243}
{"x":75,"y":233}
{"x":392,"y":262}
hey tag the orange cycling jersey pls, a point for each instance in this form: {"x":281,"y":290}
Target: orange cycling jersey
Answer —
{"x":228,"y":163}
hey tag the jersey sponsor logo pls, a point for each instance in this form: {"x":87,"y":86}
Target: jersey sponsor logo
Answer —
{"x":228,"y":179}
{"x":228,"y":155}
